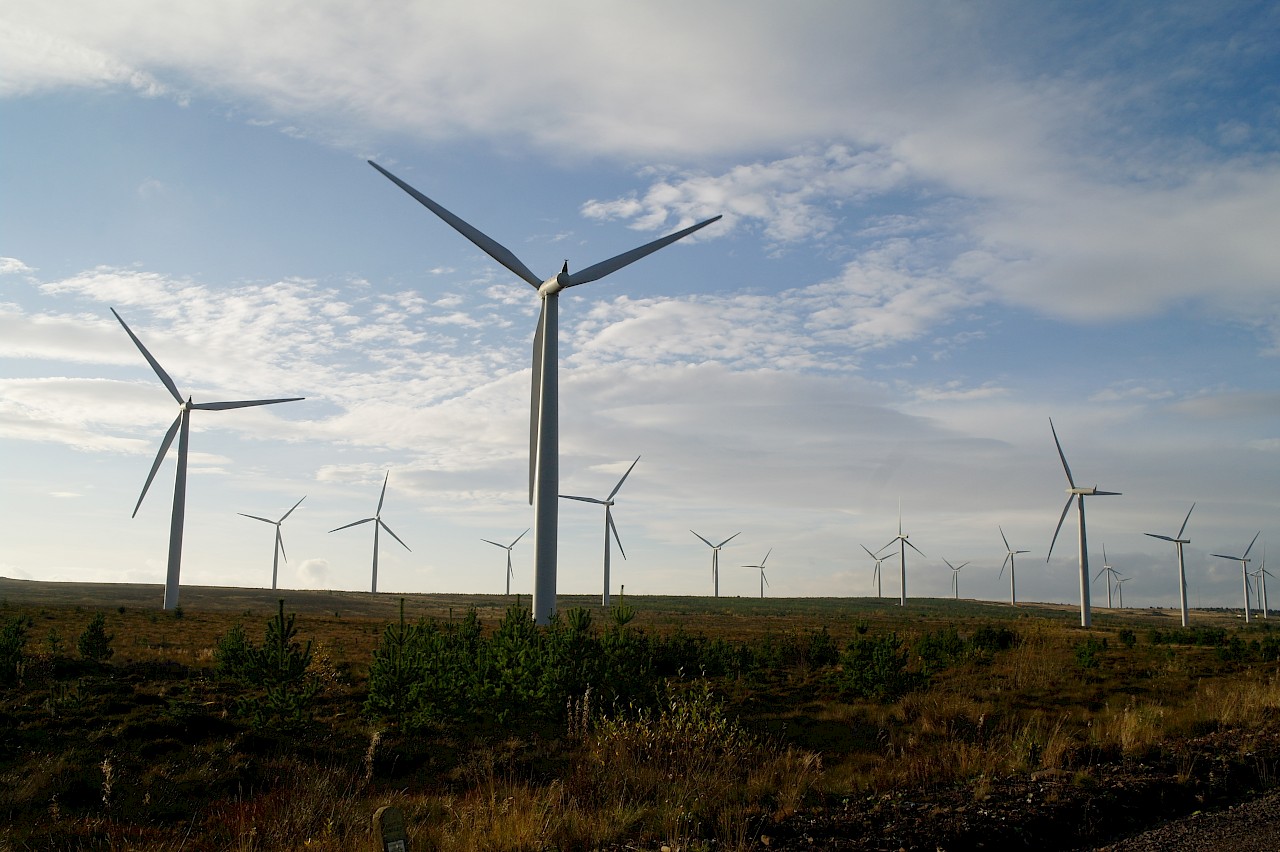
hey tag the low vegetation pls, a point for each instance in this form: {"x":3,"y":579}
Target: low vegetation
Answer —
{"x":691,"y":724}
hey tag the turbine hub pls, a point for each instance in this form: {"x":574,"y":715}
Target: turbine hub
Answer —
{"x":556,"y":283}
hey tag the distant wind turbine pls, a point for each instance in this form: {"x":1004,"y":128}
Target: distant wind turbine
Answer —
{"x":507,"y":548}
{"x":903,"y":544}
{"x":1008,"y":560}
{"x":608,"y":527}
{"x":279,"y":548}
{"x":763,"y":582}
{"x":1111,"y":573}
{"x":1178,"y":541}
{"x":955,"y":578}
{"x":1244,"y":571}
{"x":377,"y":522}
{"x":715,"y":558}
{"x":1262,"y":574}
{"x":182,"y":428}
{"x":1120,"y":581}
{"x":1078,"y":494}
{"x":875,"y":574}
{"x":544,"y":422}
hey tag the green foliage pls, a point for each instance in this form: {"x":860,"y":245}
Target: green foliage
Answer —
{"x":13,"y":639}
{"x":278,"y":668}
{"x":1127,"y":638}
{"x":94,"y":643}
{"x":875,"y":667}
{"x":1089,"y":652}
{"x":1210,"y":637}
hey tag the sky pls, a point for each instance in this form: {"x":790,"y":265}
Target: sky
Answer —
{"x":943,"y":225}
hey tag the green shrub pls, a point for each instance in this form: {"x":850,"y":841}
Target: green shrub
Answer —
{"x":876,"y":667}
{"x":13,"y":639}
{"x":94,"y":643}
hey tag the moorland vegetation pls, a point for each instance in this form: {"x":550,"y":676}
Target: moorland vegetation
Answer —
{"x":262,"y":724}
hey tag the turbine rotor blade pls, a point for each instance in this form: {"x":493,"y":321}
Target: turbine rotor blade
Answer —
{"x":1161,"y":537}
{"x":913,"y":547}
{"x":1006,"y":541}
{"x":164,"y":448}
{"x":1183,"y":528}
{"x":485,"y":243}
{"x":729,"y":539}
{"x":584,"y":499}
{"x":1250,"y":547}
{"x":155,"y":365}
{"x":383,"y":524}
{"x":383,"y":495}
{"x":535,"y":397}
{"x":243,"y":403}
{"x":517,"y":541}
{"x":1061,"y":518}
{"x":608,"y":519}
{"x":766,"y":558}
{"x":494,"y":543}
{"x":1097,"y":493}
{"x":623,"y":479}
{"x":704,"y":541}
{"x":352,"y":524}
{"x":613,"y":264}
{"x":1061,"y":455}
{"x":869,"y":553}
{"x":256,"y":518}
{"x":290,"y":512}
{"x":280,"y":543}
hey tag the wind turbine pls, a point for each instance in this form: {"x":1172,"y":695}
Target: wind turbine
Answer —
{"x":377,"y":522}
{"x":1111,"y":573}
{"x":903,"y":544}
{"x":875,"y":574}
{"x":1008,"y":560}
{"x":1178,"y":541}
{"x":279,"y":548}
{"x":1078,"y":494}
{"x":1120,"y":581}
{"x":763,"y":581}
{"x":182,"y":428}
{"x":544,"y":420}
{"x":955,"y":578}
{"x":507,"y":548}
{"x":608,"y":527}
{"x":1244,"y":571}
{"x":1262,"y":574}
{"x":715,"y":558}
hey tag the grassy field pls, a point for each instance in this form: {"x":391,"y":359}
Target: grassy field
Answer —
{"x":742,"y":723}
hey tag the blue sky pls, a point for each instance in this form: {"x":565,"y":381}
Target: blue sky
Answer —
{"x":943,"y":225}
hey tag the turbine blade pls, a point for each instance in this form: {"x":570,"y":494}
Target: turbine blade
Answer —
{"x":383,"y":495}
{"x":869,"y":553}
{"x":243,"y":403}
{"x":155,"y":466}
{"x":613,"y":264}
{"x":961,"y":565}
{"x":256,"y":518}
{"x":1225,"y":556}
{"x":891,"y":541}
{"x":1004,"y":565}
{"x":1183,"y":528}
{"x":766,"y":558}
{"x":383,"y":524}
{"x":1006,"y":541}
{"x":949,"y":565}
{"x":704,"y":541}
{"x":517,"y":541}
{"x":280,"y":544}
{"x":623,"y":479}
{"x":1061,"y":518}
{"x":1061,"y":455}
{"x":1161,"y":537}
{"x":1099,"y":574}
{"x":584,"y":499}
{"x":352,"y":524}
{"x":729,"y":539}
{"x":1250,"y":547}
{"x":608,"y":519}
{"x":494,"y":543}
{"x":290,"y":512}
{"x":1097,"y":493}
{"x":913,"y":547}
{"x":155,"y":365}
{"x":486,"y":244}
{"x":535,"y":398}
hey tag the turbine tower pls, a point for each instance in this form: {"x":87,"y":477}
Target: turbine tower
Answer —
{"x":608,"y":527}
{"x":875,"y":574}
{"x":763,"y":582}
{"x":1178,"y":541}
{"x":715,"y":558}
{"x":377,"y":522}
{"x":1009,"y":560}
{"x":1078,"y":494}
{"x":1112,"y":575}
{"x":1262,"y":574}
{"x":279,"y":548}
{"x":182,"y":428}
{"x":507,"y":548}
{"x":903,"y":544}
{"x":544,"y":423}
{"x":1244,"y":571}
{"x":1120,"y":581}
{"x":955,"y":578}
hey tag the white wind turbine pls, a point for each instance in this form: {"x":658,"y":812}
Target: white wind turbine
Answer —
{"x":955,"y":578}
{"x":1112,"y":575}
{"x":1078,"y":494}
{"x":763,"y":582}
{"x":1262,"y":574}
{"x":875,"y":574}
{"x":1009,"y":560}
{"x":279,"y":548}
{"x":544,"y":421}
{"x":377,"y":522}
{"x":182,"y":428}
{"x":903,"y":544}
{"x":715,"y":558}
{"x":1244,"y":571}
{"x":608,"y":527}
{"x":1178,"y":541}
{"x":1120,"y":581}
{"x":507,"y":548}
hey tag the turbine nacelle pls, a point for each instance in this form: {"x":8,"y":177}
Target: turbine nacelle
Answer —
{"x":556,"y":283}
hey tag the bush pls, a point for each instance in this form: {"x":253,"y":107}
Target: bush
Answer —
{"x":278,"y":667}
{"x":876,"y":667}
{"x":13,"y":639}
{"x":94,"y":643}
